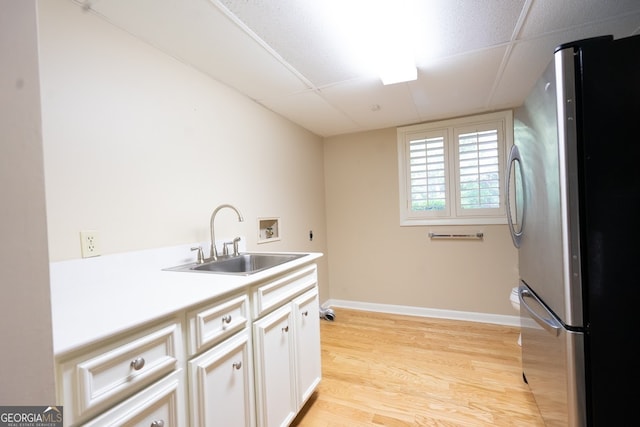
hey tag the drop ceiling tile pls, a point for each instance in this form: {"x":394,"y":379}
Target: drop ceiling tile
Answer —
{"x":312,"y":112}
{"x":198,"y":33}
{"x":451,"y":28}
{"x":526,"y":64}
{"x":551,"y":15}
{"x":371,"y":104}
{"x":300,"y":34}
{"x":458,"y":85}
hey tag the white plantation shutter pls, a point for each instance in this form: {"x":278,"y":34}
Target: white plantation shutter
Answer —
{"x":427,"y":174}
{"x":452,"y":171}
{"x":479,"y":170}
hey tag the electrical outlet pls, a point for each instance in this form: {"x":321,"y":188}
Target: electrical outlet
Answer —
{"x":89,"y":244}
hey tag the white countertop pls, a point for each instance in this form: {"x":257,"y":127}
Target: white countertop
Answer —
{"x":95,"y":298}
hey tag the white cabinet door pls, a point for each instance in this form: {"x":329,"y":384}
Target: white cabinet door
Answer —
{"x":221,"y":387}
{"x":307,"y":335}
{"x":275,"y":368}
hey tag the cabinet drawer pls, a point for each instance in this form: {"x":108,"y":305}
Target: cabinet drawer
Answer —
{"x":159,"y":405}
{"x":213,"y":323}
{"x":109,"y":374}
{"x":272,"y":294}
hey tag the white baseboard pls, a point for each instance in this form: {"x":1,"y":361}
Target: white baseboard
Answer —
{"x":497,"y":319}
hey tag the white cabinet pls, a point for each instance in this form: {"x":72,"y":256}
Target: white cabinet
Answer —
{"x":245,"y":358}
{"x":220,"y":381}
{"x":221,"y":378}
{"x":287,"y":348}
{"x":104,"y":375}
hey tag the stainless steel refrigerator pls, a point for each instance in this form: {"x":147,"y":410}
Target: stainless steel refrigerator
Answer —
{"x":574,"y":179}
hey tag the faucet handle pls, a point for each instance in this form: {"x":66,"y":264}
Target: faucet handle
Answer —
{"x":200,"y":256}
{"x":225,"y":249}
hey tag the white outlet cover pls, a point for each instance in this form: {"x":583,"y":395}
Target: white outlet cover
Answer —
{"x":89,"y":243}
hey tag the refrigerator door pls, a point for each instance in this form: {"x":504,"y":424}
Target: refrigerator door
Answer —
{"x":553,"y":363}
{"x":541,"y":242}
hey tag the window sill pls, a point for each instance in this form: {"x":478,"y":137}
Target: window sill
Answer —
{"x":452,"y":221}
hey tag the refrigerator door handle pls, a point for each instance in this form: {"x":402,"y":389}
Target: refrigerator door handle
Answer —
{"x":549,"y":323}
{"x":516,"y":235}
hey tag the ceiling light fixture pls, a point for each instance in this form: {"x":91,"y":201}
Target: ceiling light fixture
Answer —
{"x":394,"y":48}
{"x":398,"y":68}
{"x":380,"y":35}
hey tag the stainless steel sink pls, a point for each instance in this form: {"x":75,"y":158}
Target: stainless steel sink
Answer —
{"x":243,"y":264}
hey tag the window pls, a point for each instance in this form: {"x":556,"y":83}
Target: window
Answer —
{"x":452,"y":172}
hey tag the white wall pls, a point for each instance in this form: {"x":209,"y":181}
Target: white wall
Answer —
{"x":375,"y":260}
{"x":26,"y":359}
{"x":142,"y":148}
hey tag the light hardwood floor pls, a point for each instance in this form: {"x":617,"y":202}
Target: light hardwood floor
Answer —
{"x":391,"y":370}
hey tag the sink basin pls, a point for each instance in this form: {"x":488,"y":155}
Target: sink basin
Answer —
{"x":243,"y":264}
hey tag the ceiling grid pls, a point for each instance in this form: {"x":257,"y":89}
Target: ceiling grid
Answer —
{"x":288,"y":55}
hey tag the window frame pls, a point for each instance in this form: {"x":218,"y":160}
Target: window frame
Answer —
{"x":450,"y":129}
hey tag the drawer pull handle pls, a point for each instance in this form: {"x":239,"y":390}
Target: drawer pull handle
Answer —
{"x":157,"y":423}
{"x":237,"y":365}
{"x":285,"y":329}
{"x":137,"y":363}
{"x":305,"y":313}
{"x":226,"y":319}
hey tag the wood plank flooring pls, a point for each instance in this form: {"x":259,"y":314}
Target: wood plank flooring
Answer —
{"x":390,"y":370}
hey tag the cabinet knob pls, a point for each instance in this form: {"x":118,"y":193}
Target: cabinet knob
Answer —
{"x":237,"y":365}
{"x":305,"y":313}
{"x":285,"y":329}
{"x":157,"y":423}
{"x":137,"y":363}
{"x":226,"y":319}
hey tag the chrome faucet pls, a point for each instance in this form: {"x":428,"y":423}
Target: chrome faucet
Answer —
{"x":214,"y":251}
